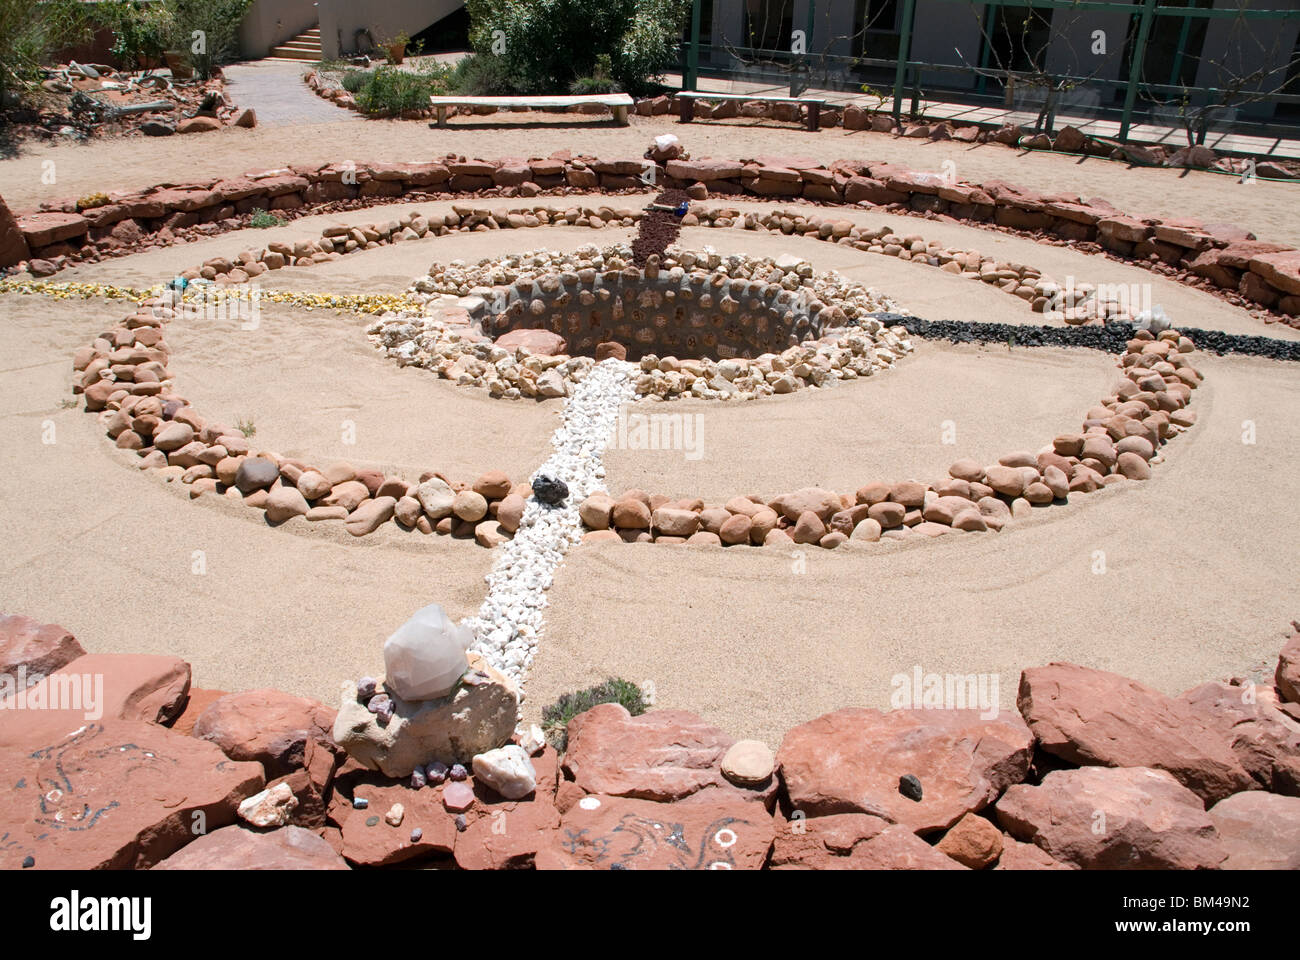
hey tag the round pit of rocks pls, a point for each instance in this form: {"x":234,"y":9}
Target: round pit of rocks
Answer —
{"x":735,"y":317}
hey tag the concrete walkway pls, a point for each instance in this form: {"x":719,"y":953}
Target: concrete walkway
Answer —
{"x":274,"y":88}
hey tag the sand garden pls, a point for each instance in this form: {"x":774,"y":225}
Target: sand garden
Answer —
{"x":762,"y":439}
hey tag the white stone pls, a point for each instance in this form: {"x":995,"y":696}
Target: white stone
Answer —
{"x":270,"y":808}
{"x":425,"y":656}
{"x":507,"y":770}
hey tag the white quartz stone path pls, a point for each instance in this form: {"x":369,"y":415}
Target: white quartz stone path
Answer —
{"x":510,"y":622}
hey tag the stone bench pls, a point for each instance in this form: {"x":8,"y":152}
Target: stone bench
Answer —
{"x":686,"y":99}
{"x":617,"y":102}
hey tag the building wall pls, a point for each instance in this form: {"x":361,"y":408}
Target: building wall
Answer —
{"x":270,"y":23}
{"x":341,"y":19}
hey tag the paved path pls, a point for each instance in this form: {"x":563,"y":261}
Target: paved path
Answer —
{"x":276,"y":91}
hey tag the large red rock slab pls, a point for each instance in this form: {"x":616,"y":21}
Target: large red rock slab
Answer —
{"x":98,"y":686}
{"x":239,"y":848}
{"x":505,"y":834}
{"x":1260,"y":831}
{"x":370,"y":841}
{"x":1264,"y":739}
{"x":13,"y":245}
{"x":704,"y":169}
{"x":851,"y":761}
{"x":1017,"y":855}
{"x":662,"y":755}
{"x":1091,"y":716}
{"x":1287,"y":676}
{"x":114,"y":795}
{"x":1131,"y":818}
{"x":43,"y":229}
{"x":853,"y":841}
{"x":1281,"y":269}
{"x":710,"y":831}
{"x":36,"y":648}
{"x":269,"y":726}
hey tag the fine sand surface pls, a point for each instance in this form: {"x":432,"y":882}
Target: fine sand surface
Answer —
{"x":1199,"y":561}
{"x":1199,"y":583}
{"x":890,"y":426}
{"x":135,"y":162}
{"x":129,"y":564}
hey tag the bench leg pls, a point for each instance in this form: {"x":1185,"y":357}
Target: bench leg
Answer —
{"x":814,"y":116}
{"x":442,"y":116}
{"x":687,"y":112}
{"x":620,"y":115}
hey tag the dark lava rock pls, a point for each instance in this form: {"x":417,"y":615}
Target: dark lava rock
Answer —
{"x":156,"y":128}
{"x":550,"y":491}
{"x":910,"y":787}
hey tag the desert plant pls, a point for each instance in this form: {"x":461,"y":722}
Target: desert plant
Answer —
{"x":246,"y":427}
{"x":395,"y":91}
{"x":207,"y":30}
{"x":354,"y":80}
{"x":599,"y":82}
{"x":141,"y":31}
{"x":31,"y":31}
{"x":261,"y":219}
{"x":556,"y":717}
{"x":90,"y":201}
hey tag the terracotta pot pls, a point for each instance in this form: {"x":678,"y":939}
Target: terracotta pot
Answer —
{"x":397,"y":52}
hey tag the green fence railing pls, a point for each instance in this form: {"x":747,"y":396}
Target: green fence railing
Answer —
{"x":907,"y":72}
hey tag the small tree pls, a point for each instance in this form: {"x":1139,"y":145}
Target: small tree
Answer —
{"x":1244,"y":75}
{"x":545,"y":46}
{"x":207,"y":30}
{"x":31,"y":31}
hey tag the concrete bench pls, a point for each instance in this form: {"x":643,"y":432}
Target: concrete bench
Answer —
{"x":687,"y":100}
{"x":618,"y":102}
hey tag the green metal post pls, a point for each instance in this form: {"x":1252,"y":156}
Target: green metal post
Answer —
{"x":692,"y":78}
{"x":1135,"y":68}
{"x":904,"y":51}
{"x":986,"y":44}
{"x":1178,"y":56}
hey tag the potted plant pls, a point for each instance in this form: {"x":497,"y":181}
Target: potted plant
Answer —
{"x":395,"y":47}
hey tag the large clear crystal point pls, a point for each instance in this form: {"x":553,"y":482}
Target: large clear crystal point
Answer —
{"x":425,"y":656}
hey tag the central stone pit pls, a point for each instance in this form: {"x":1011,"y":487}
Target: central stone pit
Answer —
{"x":696,"y":321}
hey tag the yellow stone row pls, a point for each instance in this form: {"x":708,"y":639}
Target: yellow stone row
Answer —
{"x":355,"y":303}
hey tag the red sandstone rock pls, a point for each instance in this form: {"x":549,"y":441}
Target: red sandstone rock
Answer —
{"x":39,"y":648}
{"x":507,"y":834}
{"x":541,"y":342}
{"x":662,"y":755}
{"x":1287,"y":676}
{"x":853,"y":841}
{"x":274,"y":728}
{"x":113,"y":795}
{"x":1017,"y":855}
{"x":134,"y":687}
{"x":1260,"y":831}
{"x":710,"y":831}
{"x":13,"y":245}
{"x":1134,"y":818}
{"x":371,"y":841}
{"x":1264,"y":739}
{"x":704,"y":169}
{"x":239,"y":848}
{"x":850,"y":761}
{"x":1090,"y":716}
{"x":822,"y":503}
{"x":43,"y":229}
{"x":973,"y":842}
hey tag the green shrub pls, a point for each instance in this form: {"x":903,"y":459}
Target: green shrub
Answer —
{"x":599,"y":82}
{"x":552,"y":44}
{"x":261,"y":219}
{"x":487,"y":76}
{"x":141,"y":31}
{"x":556,"y":717}
{"x":31,"y":32}
{"x":354,"y":80}
{"x":219,"y":22}
{"x":393,"y":90}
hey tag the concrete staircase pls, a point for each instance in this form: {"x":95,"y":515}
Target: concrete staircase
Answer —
{"x":304,"y":48}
